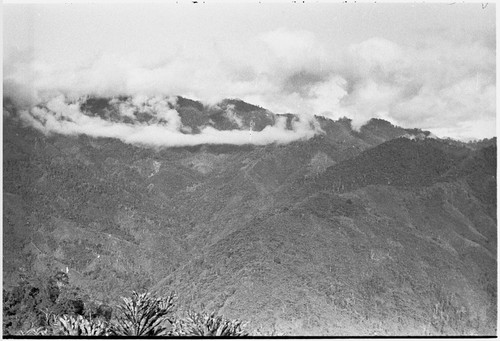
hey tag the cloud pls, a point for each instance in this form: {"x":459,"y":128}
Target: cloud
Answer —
{"x":441,"y":84}
{"x":232,"y":116}
{"x":165,"y":130}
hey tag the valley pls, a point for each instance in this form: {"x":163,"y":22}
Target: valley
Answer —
{"x":381,"y":231}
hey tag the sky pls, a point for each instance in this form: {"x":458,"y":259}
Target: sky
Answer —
{"x":429,"y":66}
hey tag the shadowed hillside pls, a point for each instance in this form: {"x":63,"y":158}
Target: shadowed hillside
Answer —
{"x":345,"y":233}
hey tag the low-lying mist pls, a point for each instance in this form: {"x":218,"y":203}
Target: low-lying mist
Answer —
{"x":164,"y":129}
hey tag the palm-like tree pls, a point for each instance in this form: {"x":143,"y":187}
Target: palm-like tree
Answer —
{"x":144,"y":315}
{"x":208,"y":324}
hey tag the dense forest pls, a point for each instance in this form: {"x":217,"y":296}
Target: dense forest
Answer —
{"x":51,"y":306}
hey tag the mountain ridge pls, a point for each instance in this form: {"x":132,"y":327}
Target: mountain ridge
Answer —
{"x":265,"y":233}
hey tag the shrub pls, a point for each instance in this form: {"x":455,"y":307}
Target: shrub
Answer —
{"x":67,"y":325}
{"x":42,"y":331}
{"x":205,"y":324}
{"x":144,"y":315}
{"x":80,"y":326}
{"x":139,"y":315}
{"x":31,"y":303}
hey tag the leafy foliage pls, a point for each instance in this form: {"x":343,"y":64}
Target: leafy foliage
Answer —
{"x":34,"y":302}
{"x":80,"y":326}
{"x":41,"y":331}
{"x":94,"y":202}
{"x":208,"y":324}
{"x":144,"y":315}
{"x":67,"y":325}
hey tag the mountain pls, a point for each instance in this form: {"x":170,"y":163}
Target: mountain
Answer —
{"x":381,"y":231}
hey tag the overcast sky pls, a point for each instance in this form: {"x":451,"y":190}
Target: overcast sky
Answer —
{"x":418,"y":65}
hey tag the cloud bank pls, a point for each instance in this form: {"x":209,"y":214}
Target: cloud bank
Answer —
{"x":443,"y":85}
{"x":163,"y":130}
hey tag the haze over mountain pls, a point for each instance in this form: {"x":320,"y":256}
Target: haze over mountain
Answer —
{"x":285,"y":164}
{"x":428,"y":66}
{"x":156,"y":122}
{"x":305,"y":227}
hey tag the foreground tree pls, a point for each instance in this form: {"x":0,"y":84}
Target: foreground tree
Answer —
{"x":145,"y":315}
{"x":142,"y":314}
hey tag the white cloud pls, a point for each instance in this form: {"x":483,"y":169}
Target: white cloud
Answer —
{"x":443,"y":84}
{"x":231,"y":115}
{"x":59,"y":116}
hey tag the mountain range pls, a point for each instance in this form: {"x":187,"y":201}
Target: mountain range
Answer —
{"x":378,"y":231}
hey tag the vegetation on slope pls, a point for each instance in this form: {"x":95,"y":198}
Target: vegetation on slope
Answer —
{"x":265,"y":234}
{"x":40,"y":310}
